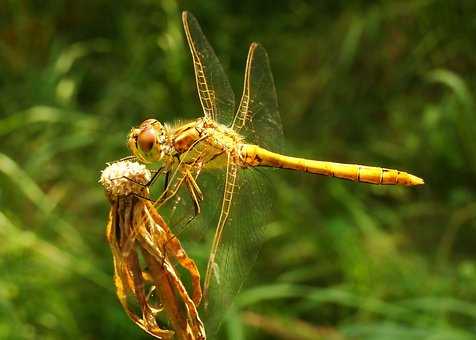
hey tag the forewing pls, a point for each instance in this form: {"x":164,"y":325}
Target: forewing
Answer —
{"x":214,"y":90}
{"x":257,"y":117}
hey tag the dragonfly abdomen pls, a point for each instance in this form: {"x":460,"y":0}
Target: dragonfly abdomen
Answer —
{"x":254,"y":155}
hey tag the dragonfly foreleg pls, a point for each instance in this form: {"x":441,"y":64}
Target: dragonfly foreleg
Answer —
{"x":144,"y":185}
{"x":127,"y":158}
{"x":155,"y":174}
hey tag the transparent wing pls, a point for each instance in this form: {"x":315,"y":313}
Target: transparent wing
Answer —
{"x":214,"y":90}
{"x":258,"y":120}
{"x":241,"y":235}
{"x":229,"y":192}
{"x":241,"y":240}
{"x":250,"y":211}
{"x":257,"y":117}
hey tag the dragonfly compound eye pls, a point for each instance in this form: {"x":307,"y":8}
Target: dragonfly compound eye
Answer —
{"x":146,"y":139}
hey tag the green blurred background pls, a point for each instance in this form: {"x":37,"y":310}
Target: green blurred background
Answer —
{"x":388,"y":83}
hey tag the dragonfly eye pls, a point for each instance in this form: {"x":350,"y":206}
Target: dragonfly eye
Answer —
{"x":146,"y":139}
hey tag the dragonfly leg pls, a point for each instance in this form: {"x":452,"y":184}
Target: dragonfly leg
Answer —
{"x":196,"y":196}
{"x":155,"y":175}
{"x":127,"y":158}
{"x":132,"y":180}
{"x":166,"y":180}
{"x":174,"y":186}
{"x":144,"y":185}
{"x":169,"y":192}
{"x":195,"y":192}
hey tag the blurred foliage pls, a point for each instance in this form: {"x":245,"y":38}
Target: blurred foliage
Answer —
{"x":381,"y":83}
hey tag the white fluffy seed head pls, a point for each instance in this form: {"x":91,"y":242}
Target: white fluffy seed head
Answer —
{"x":122,"y":178}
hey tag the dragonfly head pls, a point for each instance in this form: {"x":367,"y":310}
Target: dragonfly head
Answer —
{"x":145,"y":141}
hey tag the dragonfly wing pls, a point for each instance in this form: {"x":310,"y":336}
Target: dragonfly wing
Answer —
{"x":257,"y":117}
{"x":241,"y":232}
{"x":231,"y":173}
{"x":240,"y":242}
{"x":214,"y":90}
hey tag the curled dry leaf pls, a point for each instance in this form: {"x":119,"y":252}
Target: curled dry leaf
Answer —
{"x":145,"y":251}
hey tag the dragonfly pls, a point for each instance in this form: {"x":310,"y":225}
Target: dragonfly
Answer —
{"x":234,"y":143}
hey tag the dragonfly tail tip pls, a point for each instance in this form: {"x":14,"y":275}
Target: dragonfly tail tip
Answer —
{"x":414,"y":180}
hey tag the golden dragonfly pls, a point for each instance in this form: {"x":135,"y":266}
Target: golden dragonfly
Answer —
{"x":235,"y":141}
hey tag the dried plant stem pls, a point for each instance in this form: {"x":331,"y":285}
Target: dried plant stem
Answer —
{"x":167,"y":295}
